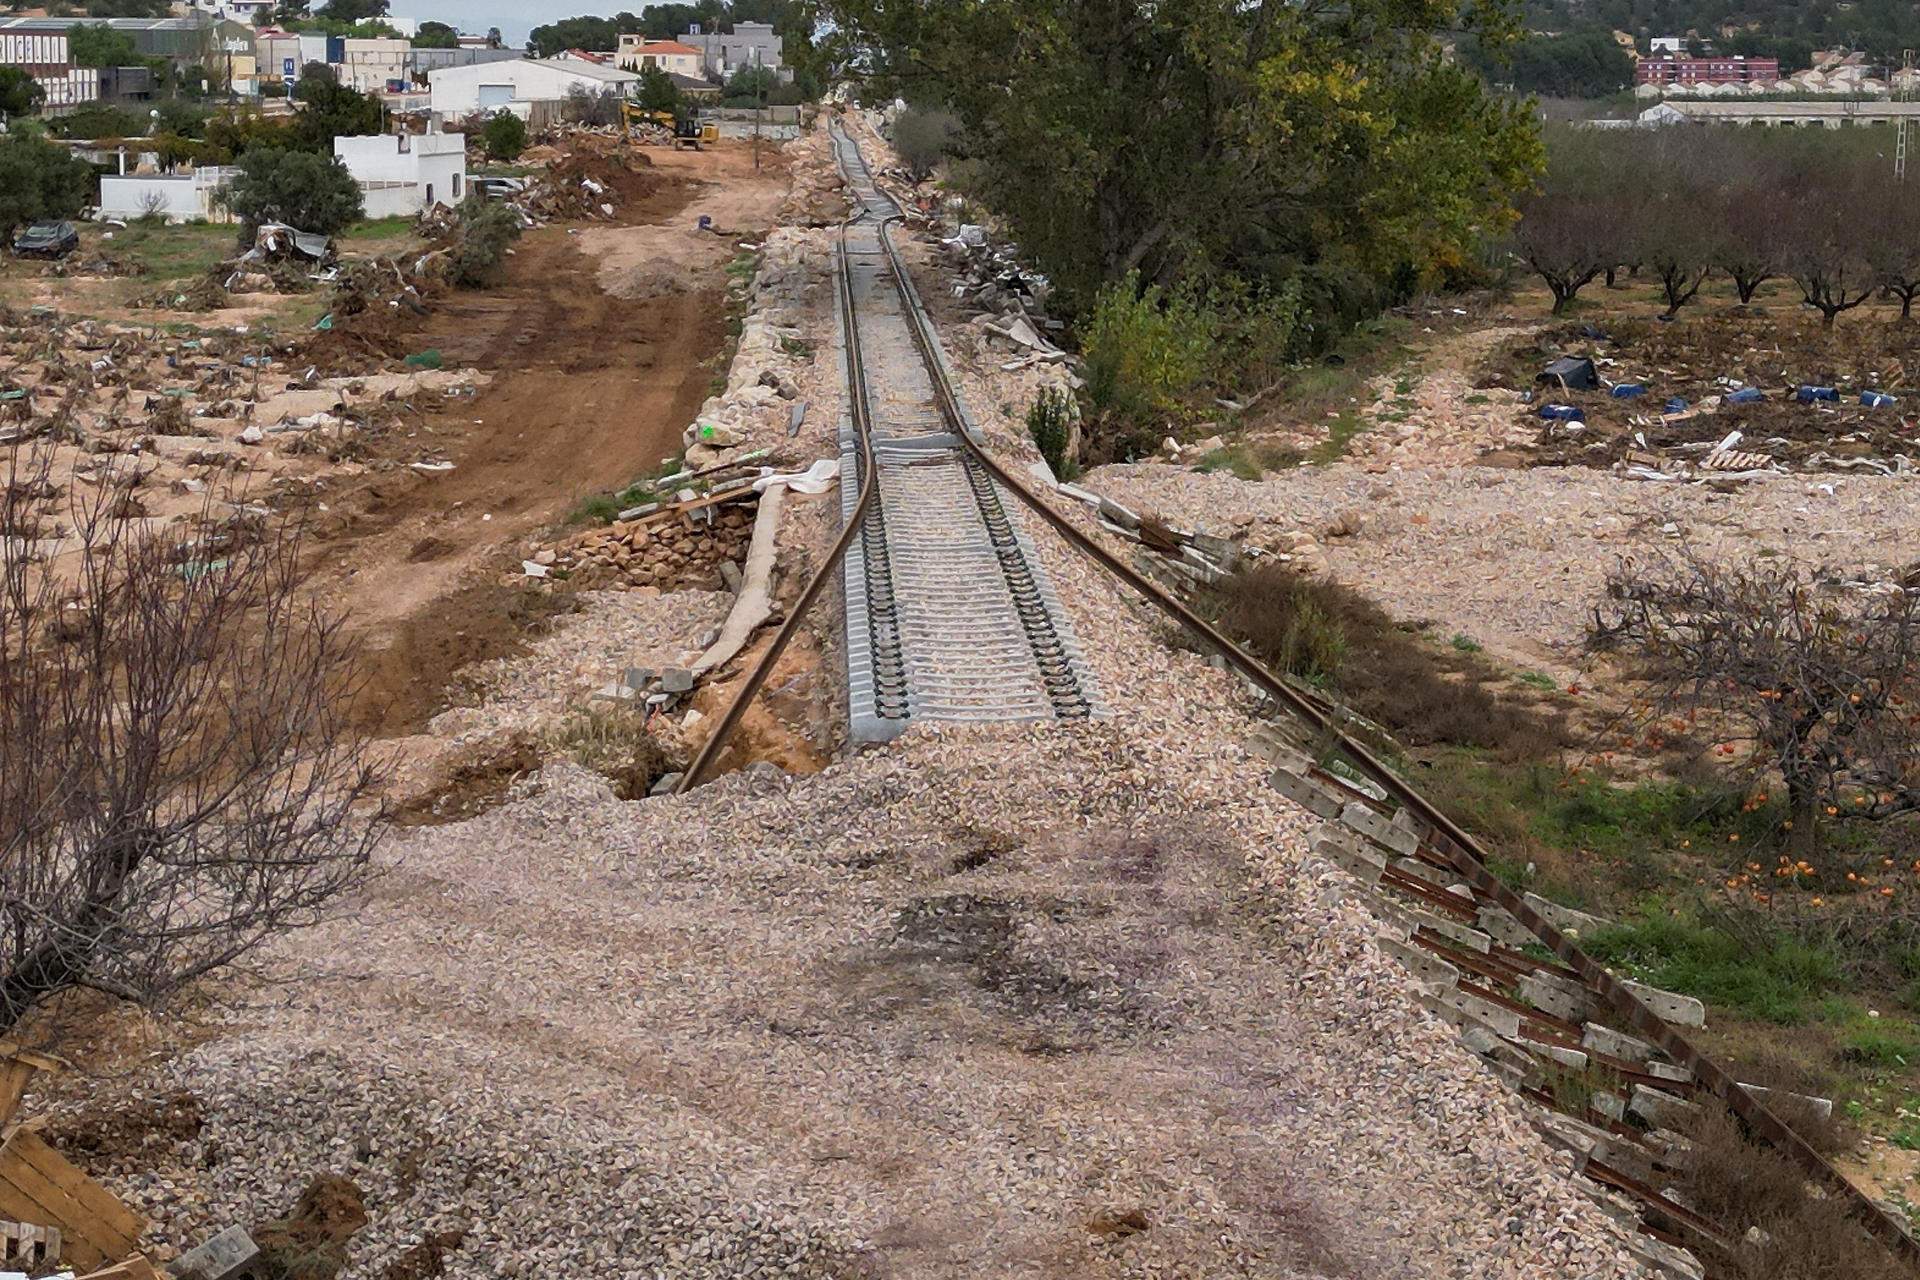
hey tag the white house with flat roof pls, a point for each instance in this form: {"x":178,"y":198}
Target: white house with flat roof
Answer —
{"x":177,"y":197}
{"x":515,"y":86}
{"x":402,"y":174}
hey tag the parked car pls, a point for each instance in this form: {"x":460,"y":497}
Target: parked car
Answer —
{"x":47,"y":240}
{"x":498,"y":188}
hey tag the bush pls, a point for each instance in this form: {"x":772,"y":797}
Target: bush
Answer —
{"x":1154,"y":355}
{"x":39,"y":180}
{"x":505,"y":136}
{"x":924,"y":138}
{"x":1050,"y":425}
{"x":616,"y":743}
{"x":306,"y":191}
{"x":486,"y":230}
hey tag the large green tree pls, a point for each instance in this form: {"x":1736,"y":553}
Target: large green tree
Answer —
{"x":1206,"y":139}
{"x":306,"y":191}
{"x":331,"y":110}
{"x":95,"y":44}
{"x":436,"y":35}
{"x":39,"y":180}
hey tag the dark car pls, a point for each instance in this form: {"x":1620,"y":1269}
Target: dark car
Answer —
{"x":47,"y":240}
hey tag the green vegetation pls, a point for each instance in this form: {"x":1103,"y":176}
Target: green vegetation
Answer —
{"x":658,"y":91}
{"x":39,"y":180}
{"x":1050,"y":426}
{"x":20,"y":93}
{"x":1586,"y":63}
{"x":307,"y":191}
{"x":601,"y":508}
{"x":485,"y":231}
{"x":1776,"y":981}
{"x":504,"y":136}
{"x":173,"y":251}
{"x":436,"y":35}
{"x":1357,"y":162}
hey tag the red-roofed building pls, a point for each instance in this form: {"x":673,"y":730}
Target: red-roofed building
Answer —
{"x":671,"y":56}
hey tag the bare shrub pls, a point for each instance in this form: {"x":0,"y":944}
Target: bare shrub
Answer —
{"x":180,"y":781}
{"x":615,"y":742}
{"x":1815,"y":688}
{"x":597,"y":110}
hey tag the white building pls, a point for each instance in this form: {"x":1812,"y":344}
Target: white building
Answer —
{"x":179,"y":197}
{"x":399,"y":175}
{"x":515,"y":86}
{"x":749,"y":44}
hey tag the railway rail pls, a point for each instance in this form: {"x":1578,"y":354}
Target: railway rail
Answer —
{"x":1470,"y":941}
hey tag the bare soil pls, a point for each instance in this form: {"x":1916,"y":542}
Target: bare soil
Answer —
{"x":589,"y":391}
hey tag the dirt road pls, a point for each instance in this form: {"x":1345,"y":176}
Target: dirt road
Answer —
{"x":590,"y":389}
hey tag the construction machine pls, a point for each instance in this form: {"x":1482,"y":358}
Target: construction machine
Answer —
{"x":683,"y":128}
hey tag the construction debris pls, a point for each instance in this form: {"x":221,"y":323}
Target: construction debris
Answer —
{"x":38,"y":1185}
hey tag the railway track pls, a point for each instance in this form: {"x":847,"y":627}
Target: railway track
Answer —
{"x":949,"y":613}
{"x":1503,"y":967}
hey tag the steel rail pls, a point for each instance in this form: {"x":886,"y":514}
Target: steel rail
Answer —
{"x":858,"y":408}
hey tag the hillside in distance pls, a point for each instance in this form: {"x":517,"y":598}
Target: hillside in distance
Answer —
{"x":1789,"y":29}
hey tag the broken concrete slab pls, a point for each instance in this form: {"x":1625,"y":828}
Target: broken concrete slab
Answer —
{"x":231,"y":1255}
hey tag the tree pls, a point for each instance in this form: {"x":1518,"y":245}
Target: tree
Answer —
{"x":306,"y":191}
{"x":575,"y":33}
{"x":487,"y":228}
{"x":332,"y":111}
{"x":181,"y":783}
{"x":1672,"y":230}
{"x":1889,"y":227}
{"x":354,"y":11}
{"x":20,"y":93}
{"x":1825,"y":254}
{"x":505,"y":136}
{"x":1332,"y":144}
{"x":1575,"y":225}
{"x":95,"y":44}
{"x":658,"y":91}
{"x":1580,"y":64}
{"x":1810,"y":687}
{"x":924,"y":138}
{"x":37,"y":181}
{"x":436,"y":35}
{"x":595,"y":107}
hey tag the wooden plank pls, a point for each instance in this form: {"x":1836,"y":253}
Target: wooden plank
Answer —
{"x":96,"y":1198}
{"x":37,"y":1184}
{"x":135,"y":1268}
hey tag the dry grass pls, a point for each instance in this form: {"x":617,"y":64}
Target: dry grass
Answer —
{"x":615,"y":742}
{"x":1425,"y":694}
{"x":1744,"y":1185}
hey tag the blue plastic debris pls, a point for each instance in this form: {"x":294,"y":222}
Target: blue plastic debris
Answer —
{"x":1808,"y":394}
{"x":1877,"y":399}
{"x":1677,"y":404}
{"x":1745,"y":395}
{"x":1563,"y":413}
{"x":1628,"y":390}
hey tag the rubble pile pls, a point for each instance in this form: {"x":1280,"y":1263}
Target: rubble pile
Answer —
{"x":282,"y":260}
{"x":583,"y":186}
{"x":1721,"y":398}
{"x":815,"y":194}
{"x":761,"y":402}
{"x":697,"y":550}
{"x":164,"y":415}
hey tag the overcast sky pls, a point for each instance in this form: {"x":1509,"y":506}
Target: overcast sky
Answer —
{"x":514,"y":17}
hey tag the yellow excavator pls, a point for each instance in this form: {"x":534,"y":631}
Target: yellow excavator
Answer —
{"x":686,"y":131}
